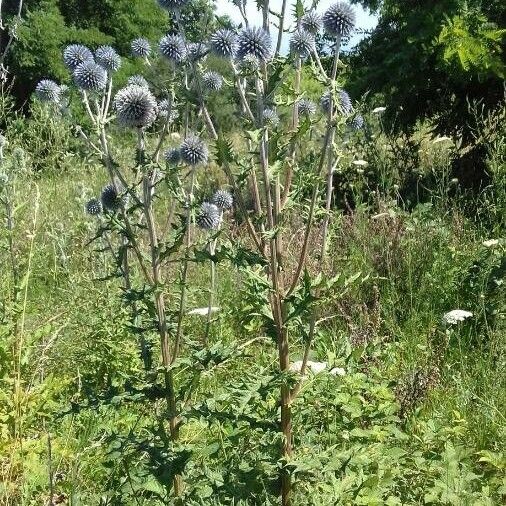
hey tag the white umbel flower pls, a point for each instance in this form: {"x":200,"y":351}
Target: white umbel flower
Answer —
{"x":456,"y":316}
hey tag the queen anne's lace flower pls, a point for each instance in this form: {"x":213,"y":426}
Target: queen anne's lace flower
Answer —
{"x":135,"y":106}
{"x":456,"y":316}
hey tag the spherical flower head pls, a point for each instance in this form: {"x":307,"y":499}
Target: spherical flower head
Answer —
{"x":138,"y":80}
{"x":270,"y":117}
{"x":311,"y":22}
{"x":343,"y":104}
{"x":357,"y":122}
{"x":302,"y":43}
{"x":194,"y":151}
{"x":223,"y":200}
{"x":212,"y":81}
{"x":249,"y":64}
{"x":90,"y":76}
{"x":172,"y":156}
{"x":223,"y":43}
{"x":166,"y":109}
{"x":172,"y":5}
{"x":140,"y":48}
{"x":173,"y":48}
{"x":94,"y":207}
{"x":339,"y":20}
{"x":254,"y":41}
{"x":111,"y":198}
{"x":48,"y":91}
{"x":75,"y":54}
{"x":196,"y":51}
{"x":306,"y":107}
{"x":209,"y":217}
{"x":108,"y":58}
{"x":135,"y":106}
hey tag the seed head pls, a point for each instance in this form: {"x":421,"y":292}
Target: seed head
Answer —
{"x":223,"y":43}
{"x":302,"y":43}
{"x":212,"y":81}
{"x":223,"y":200}
{"x":48,"y":91}
{"x":90,"y":76}
{"x":339,"y":20}
{"x":141,"y":48}
{"x":94,"y":207}
{"x":75,"y":54}
{"x":343,"y":102}
{"x":111,"y":199}
{"x":194,"y":151}
{"x":270,"y":117}
{"x":138,"y":80}
{"x":173,"y":48}
{"x":209,"y":217}
{"x":306,"y":107}
{"x":254,"y":41}
{"x":135,"y":106}
{"x":108,"y":58}
{"x":172,"y":5}
{"x":172,"y":156}
{"x":311,"y":22}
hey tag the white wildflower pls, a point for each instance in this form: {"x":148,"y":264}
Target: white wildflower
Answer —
{"x":490,"y":243}
{"x":203,"y":311}
{"x":456,"y":316}
{"x":379,"y":109}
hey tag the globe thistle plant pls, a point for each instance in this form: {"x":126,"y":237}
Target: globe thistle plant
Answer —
{"x":196,"y":51}
{"x":249,"y":64}
{"x":223,"y":200}
{"x":138,"y":80}
{"x":135,"y":106}
{"x":194,"y":151}
{"x":270,"y":117}
{"x":108,"y":58}
{"x":111,"y":198}
{"x":75,"y":54}
{"x":254,"y":41}
{"x":311,"y":22}
{"x":209,"y":216}
{"x":90,"y":76}
{"x":306,"y":107}
{"x":357,"y":122}
{"x":166,"y":110}
{"x":302,"y":43}
{"x":172,"y":156}
{"x":339,"y":20}
{"x":223,"y":43}
{"x":140,"y":48}
{"x":172,"y":5}
{"x":173,"y":48}
{"x":212,"y":81}
{"x":343,"y":102}
{"x":94,"y":207}
{"x":48,"y":91}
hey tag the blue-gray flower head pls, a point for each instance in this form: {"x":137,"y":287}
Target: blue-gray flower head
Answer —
{"x":48,"y":91}
{"x":254,"y":41}
{"x":209,"y":217}
{"x":166,"y":109}
{"x":196,"y":51}
{"x":173,"y":48}
{"x":343,"y":104}
{"x":306,"y":107}
{"x":140,"y":48}
{"x":111,"y":197}
{"x":357,"y":122}
{"x":172,"y":156}
{"x":90,"y":76}
{"x":94,"y":207}
{"x":249,"y":64}
{"x":302,"y":43}
{"x":339,"y":20}
{"x":75,"y":54}
{"x":223,"y":200}
{"x":138,"y":80}
{"x":172,"y":5}
{"x":270,"y":117}
{"x":194,"y":151}
{"x":135,"y":106}
{"x":212,"y":81}
{"x":223,"y":43}
{"x":108,"y":58}
{"x":311,"y":22}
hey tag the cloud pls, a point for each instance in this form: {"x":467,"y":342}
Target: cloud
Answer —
{"x":225,"y":7}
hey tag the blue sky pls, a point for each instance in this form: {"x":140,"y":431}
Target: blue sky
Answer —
{"x":364,"y":19}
